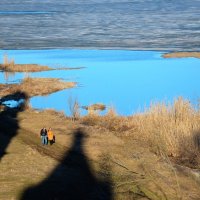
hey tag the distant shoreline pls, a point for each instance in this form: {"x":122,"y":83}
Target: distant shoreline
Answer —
{"x":182,"y":55}
{"x":170,"y":50}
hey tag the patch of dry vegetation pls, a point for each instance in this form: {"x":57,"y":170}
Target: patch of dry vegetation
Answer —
{"x":36,"y":86}
{"x":94,"y":108}
{"x":97,"y":106}
{"x":23,"y":68}
{"x":9,"y":65}
{"x":182,"y":55}
{"x":173,"y":130}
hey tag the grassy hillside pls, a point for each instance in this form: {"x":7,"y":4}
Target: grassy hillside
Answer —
{"x":152,"y":155}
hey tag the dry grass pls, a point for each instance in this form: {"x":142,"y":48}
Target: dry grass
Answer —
{"x":170,"y":129}
{"x":9,"y":65}
{"x":182,"y":55}
{"x":23,"y":68}
{"x":36,"y":86}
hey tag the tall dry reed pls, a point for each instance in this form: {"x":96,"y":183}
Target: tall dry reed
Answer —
{"x":170,"y":128}
{"x":7,"y":63}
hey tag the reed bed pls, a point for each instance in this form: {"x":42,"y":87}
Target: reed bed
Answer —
{"x":170,"y":129}
{"x":10,"y":66}
{"x":36,"y":86}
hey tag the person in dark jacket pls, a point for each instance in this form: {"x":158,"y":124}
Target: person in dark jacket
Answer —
{"x":43,"y":135}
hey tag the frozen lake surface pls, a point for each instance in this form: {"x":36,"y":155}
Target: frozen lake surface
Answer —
{"x":121,"y":24}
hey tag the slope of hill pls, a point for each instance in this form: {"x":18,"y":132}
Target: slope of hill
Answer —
{"x":86,"y":162}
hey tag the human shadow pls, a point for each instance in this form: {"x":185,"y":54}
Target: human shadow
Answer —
{"x":9,"y":124}
{"x":72,"y":179}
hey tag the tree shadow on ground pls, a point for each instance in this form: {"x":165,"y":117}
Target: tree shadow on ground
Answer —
{"x":197,"y":140}
{"x":72,"y":179}
{"x":8,"y":119}
{"x":189,"y":148}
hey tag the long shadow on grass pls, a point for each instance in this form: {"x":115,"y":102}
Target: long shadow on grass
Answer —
{"x":72,"y":179}
{"x":197,"y":140}
{"x":189,"y":149}
{"x":8,"y":119}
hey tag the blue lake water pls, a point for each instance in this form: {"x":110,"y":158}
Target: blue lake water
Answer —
{"x":127,"y":80}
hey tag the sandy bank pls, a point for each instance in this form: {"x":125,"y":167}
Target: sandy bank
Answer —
{"x":181,"y":55}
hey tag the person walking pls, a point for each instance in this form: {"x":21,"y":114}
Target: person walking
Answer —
{"x":43,"y":135}
{"x":50,"y":136}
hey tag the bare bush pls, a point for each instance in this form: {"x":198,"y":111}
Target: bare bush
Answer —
{"x":74,"y":108}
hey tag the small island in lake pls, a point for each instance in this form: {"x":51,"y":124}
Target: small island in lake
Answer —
{"x":181,"y":55}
